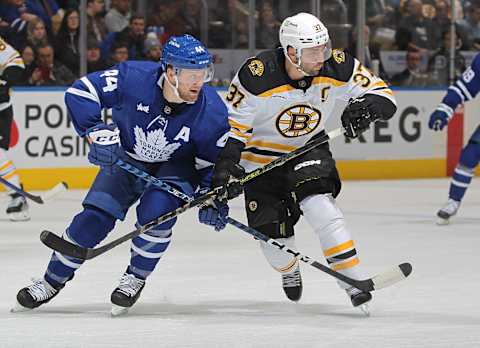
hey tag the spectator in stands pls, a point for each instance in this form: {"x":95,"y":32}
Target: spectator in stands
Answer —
{"x":36,"y":33}
{"x":191,"y":12}
{"x":66,"y":41}
{"x":153,"y":48}
{"x":165,"y":16}
{"x":470,"y":26}
{"x":413,"y":75}
{"x":96,"y":28}
{"x":268,"y":27}
{"x":119,"y":53}
{"x":118,"y":17}
{"x":28,"y":57}
{"x":134,"y":37}
{"x":49,"y":72}
{"x":439,"y":63}
{"x":15,"y":15}
{"x":94,"y":60}
{"x":420,"y":28}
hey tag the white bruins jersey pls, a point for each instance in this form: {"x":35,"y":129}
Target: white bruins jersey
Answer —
{"x":9,"y":56}
{"x":274,"y":115}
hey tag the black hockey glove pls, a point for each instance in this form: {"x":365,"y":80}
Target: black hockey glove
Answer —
{"x":227,"y":171}
{"x":358,"y":115}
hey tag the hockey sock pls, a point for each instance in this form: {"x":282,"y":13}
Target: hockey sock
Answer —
{"x":279,"y":260}
{"x":146,"y":250}
{"x":8,"y":170}
{"x":87,"y":229}
{"x":463,"y":174}
{"x":328,"y":222}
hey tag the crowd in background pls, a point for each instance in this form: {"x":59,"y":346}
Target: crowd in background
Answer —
{"x":46,"y":32}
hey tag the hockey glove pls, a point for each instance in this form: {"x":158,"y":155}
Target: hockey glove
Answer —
{"x":358,"y":115}
{"x":104,"y":143}
{"x":227,"y":170}
{"x":438,"y":120}
{"x":214,"y":215}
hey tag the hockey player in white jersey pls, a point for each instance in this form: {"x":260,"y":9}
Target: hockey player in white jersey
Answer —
{"x":464,"y":89}
{"x":11,"y":71}
{"x":277,"y":102}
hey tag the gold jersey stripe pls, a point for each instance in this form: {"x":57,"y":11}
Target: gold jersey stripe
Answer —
{"x":316,"y":81}
{"x":240,"y":134}
{"x":237,"y":125}
{"x":379,"y":84}
{"x":338,"y":248}
{"x":275,"y":146}
{"x":327,"y":80}
{"x":256,"y":159}
{"x":345,"y":265}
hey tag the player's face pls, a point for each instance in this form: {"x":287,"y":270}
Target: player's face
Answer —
{"x":190,"y":82}
{"x":312,"y":58}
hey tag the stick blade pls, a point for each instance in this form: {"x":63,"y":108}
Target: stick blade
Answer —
{"x":392,"y":276}
{"x":63,"y":246}
{"x":55,"y":191}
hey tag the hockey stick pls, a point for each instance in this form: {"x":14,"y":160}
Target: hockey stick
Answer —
{"x":63,"y":246}
{"x":382,"y":280}
{"x":390,"y":277}
{"x":49,"y":194}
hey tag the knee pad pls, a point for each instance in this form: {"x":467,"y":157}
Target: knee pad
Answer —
{"x":90,"y":227}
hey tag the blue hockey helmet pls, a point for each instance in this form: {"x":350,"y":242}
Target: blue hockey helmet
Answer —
{"x":186,"y":52}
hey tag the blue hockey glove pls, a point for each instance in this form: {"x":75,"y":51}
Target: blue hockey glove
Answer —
{"x":104,"y":143}
{"x":214,"y":215}
{"x":438,"y":120}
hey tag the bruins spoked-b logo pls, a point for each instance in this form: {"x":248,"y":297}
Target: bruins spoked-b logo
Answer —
{"x":298,"y":120}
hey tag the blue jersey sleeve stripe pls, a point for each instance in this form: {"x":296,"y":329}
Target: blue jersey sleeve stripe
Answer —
{"x":90,"y":87}
{"x":444,"y":107}
{"x":84,"y":94}
{"x":464,"y":90}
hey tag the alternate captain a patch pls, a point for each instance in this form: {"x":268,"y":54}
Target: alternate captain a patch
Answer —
{"x":256,"y":67}
{"x":298,"y":120}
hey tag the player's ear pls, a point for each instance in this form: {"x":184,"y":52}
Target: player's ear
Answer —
{"x":291,"y":54}
{"x":170,"y":74}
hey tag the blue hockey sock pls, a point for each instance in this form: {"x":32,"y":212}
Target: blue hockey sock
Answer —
{"x":87,"y":229}
{"x":146,"y":250}
{"x":463,"y":173}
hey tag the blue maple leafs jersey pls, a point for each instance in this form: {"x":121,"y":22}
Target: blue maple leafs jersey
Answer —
{"x":189,"y":140}
{"x":464,"y":89}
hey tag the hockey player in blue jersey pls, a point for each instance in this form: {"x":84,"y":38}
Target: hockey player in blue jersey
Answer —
{"x":170,"y":125}
{"x":464,"y":89}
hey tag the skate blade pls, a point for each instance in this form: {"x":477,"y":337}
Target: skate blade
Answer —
{"x":18,"y":308}
{"x":20,"y":216}
{"x":442,"y":222}
{"x":118,"y":310}
{"x":365,"y":309}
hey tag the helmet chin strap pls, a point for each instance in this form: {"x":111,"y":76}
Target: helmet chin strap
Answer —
{"x":175,"y":88}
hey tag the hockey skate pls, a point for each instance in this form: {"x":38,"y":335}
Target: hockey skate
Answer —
{"x":17,"y":209}
{"x":449,"y":210}
{"x":292,"y":284}
{"x":35,"y":295}
{"x":359,"y":299}
{"x":126,"y":294}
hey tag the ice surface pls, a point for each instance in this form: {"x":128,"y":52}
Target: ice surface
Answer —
{"x":216,"y":290}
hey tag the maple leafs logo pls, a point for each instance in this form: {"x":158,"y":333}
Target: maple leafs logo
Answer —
{"x":153,"y":146}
